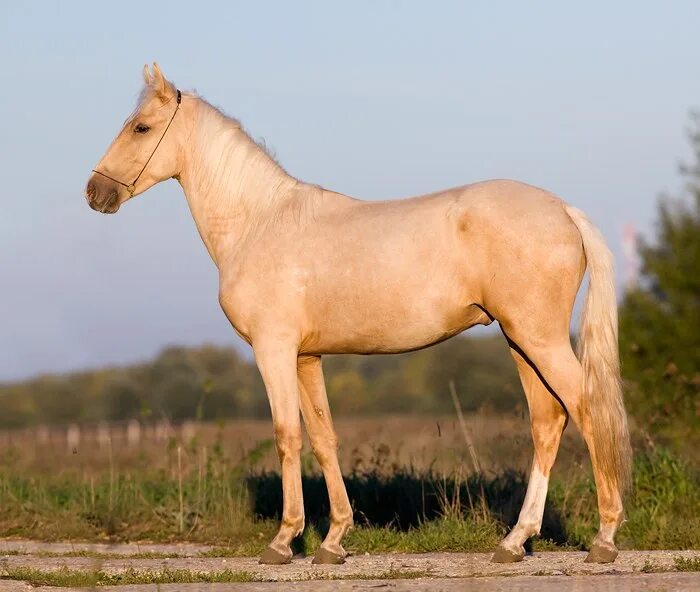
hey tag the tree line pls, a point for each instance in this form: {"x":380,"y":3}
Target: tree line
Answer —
{"x":210,"y":382}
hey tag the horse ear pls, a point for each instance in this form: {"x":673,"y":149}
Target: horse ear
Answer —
{"x":147,"y":78}
{"x":164,"y":89}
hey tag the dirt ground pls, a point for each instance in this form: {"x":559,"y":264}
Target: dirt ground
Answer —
{"x":633,"y":570}
{"x":658,"y":582}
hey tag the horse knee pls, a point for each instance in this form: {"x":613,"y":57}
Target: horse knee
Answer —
{"x":325,"y":448}
{"x":288,"y":441}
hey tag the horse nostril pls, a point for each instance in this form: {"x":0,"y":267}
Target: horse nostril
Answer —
{"x":91,"y":191}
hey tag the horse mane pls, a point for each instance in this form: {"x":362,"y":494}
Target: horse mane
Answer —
{"x":229,"y":163}
{"x":236,"y":124}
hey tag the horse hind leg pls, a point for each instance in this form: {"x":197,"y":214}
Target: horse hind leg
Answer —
{"x":559,"y":367}
{"x":547,"y":421}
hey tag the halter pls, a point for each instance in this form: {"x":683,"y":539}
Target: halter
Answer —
{"x":132,"y":186}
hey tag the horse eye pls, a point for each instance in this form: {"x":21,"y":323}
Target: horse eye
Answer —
{"x":141,"y":128}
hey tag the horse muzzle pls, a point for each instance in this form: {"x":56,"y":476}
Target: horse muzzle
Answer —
{"x":102,"y":195}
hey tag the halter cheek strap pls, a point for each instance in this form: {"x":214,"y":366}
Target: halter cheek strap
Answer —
{"x":131,"y":187}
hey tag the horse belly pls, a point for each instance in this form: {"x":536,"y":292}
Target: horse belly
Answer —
{"x":390,"y":316}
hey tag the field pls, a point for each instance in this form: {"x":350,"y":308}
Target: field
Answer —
{"x":410,"y":480}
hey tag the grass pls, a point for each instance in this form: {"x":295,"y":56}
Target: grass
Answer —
{"x":102,"y":555}
{"x":651,"y":567}
{"x":391,"y":574}
{"x":687,"y":563}
{"x":661,"y":511}
{"x":72,"y":578}
{"x":457,"y":534}
{"x":205,"y":497}
{"x":679,"y":563}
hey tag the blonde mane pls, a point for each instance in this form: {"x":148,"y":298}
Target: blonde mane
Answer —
{"x":236,"y":123}
{"x":228,"y":160}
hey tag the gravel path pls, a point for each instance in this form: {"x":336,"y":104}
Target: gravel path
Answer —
{"x":394,"y":572}
{"x":659,"y":582}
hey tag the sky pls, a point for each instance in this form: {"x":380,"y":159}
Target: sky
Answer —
{"x":374,"y":99}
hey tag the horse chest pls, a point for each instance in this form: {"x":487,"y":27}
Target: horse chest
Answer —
{"x":256,"y":297}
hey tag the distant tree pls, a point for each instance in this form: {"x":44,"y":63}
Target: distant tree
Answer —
{"x":660,"y":319}
{"x":418,"y":382}
{"x":121,"y":398}
{"x":483,"y":370}
{"x":18,"y":410}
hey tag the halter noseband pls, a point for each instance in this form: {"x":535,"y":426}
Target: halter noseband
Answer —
{"x":132,"y":186}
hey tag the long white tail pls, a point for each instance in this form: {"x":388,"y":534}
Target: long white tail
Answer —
{"x":598,"y":352}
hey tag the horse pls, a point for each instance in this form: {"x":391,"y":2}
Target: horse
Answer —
{"x":305,"y":272}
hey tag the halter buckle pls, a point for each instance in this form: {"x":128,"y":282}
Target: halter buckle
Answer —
{"x":131,"y":188}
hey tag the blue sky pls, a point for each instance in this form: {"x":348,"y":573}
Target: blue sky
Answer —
{"x":374,"y":99}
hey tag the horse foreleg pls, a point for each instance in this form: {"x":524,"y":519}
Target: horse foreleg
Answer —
{"x":319,"y":425}
{"x":278,"y":368}
{"x":547,"y":422}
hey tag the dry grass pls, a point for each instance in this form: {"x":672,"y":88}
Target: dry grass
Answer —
{"x":387,"y":442}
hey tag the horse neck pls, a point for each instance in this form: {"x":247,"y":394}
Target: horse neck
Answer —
{"x":232,"y":185}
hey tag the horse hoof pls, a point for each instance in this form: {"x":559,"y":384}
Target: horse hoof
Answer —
{"x":503,"y":555}
{"x":601,"y":554}
{"x":272,"y":556}
{"x":324,"y":556}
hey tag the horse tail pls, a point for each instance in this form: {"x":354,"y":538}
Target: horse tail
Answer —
{"x":602,"y":401}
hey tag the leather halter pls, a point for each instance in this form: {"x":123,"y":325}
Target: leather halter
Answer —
{"x":131,"y":187}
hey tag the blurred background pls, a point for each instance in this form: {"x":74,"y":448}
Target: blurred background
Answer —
{"x":114,"y":354}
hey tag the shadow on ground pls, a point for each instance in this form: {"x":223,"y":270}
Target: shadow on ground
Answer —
{"x":404,"y":500}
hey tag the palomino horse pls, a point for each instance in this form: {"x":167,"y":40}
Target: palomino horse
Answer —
{"x":305,"y":271}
